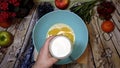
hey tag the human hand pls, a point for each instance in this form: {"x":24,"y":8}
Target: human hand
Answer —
{"x":44,"y":59}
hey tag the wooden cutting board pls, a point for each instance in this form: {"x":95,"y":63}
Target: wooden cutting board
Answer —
{"x":84,"y":58}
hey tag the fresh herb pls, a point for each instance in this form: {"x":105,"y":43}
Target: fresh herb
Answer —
{"x":84,"y":10}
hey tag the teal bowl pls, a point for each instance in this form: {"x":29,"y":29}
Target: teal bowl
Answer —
{"x":66,"y":17}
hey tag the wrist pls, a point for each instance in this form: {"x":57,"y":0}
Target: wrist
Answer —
{"x":39,"y":66}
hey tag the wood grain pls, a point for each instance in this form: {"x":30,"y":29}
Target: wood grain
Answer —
{"x":19,"y":30}
{"x":103,"y":48}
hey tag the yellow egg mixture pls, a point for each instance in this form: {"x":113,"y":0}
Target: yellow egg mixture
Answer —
{"x":61,"y":29}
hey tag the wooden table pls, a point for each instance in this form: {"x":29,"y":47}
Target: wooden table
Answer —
{"x":103,"y":48}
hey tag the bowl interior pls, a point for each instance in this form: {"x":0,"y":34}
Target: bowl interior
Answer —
{"x":66,"y":17}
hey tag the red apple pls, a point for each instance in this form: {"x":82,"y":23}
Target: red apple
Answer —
{"x":62,"y":4}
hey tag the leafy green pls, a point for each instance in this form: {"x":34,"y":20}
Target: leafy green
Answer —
{"x":84,"y":10}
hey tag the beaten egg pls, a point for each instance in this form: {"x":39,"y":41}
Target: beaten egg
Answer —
{"x":61,"y":29}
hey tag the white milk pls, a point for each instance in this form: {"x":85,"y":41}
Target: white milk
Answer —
{"x":60,"y":47}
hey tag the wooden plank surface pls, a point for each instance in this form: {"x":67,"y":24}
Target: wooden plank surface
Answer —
{"x":103,"y":48}
{"x":20,"y":31}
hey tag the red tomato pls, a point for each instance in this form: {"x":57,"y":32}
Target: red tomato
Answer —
{"x":107,"y":26}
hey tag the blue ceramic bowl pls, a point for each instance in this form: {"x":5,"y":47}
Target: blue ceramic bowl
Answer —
{"x":66,"y":17}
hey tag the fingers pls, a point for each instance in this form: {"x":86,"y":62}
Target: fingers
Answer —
{"x":46,"y":45}
{"x":54,"y":60}
{"x":48,"y":41}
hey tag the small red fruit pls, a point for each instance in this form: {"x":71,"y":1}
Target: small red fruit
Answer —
{"x":5,"y":24}
{"x":107,"y":26}
{"x":62,"y":4}
{"x":105,"y":9}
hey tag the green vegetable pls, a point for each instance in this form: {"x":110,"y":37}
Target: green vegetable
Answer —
{"x":84,"y":10}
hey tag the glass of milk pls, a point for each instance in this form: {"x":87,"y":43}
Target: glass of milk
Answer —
{"x":60,"y":47}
